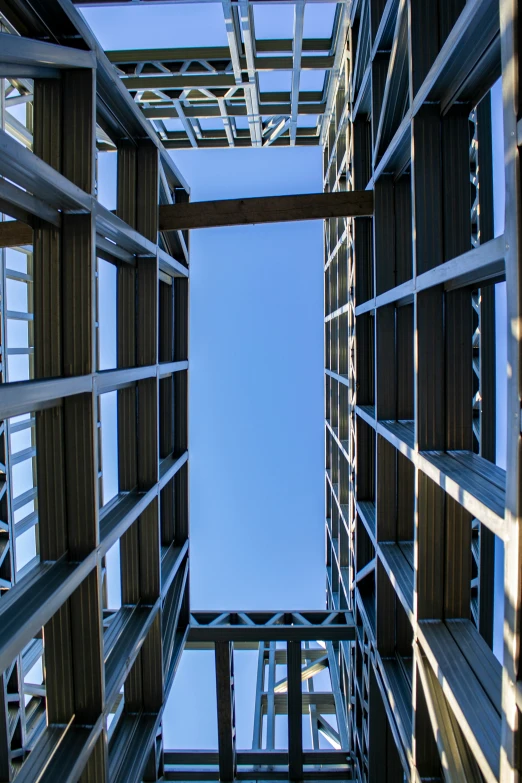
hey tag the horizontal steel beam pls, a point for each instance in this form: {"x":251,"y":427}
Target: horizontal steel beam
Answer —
{"x":267,"y":46}
{"x":260,"y":773}
{"x":61,"y":753}
{"x":29,"y":605}
{"x":31,"y":173}
{"x":471,"y":480}
{"x":205,"y":109}
{"x":114,"y":238}
{"x":16,"y":50}
{"x":271,"y":209}
{"x":28,"y":396}
{"x":474,"y":267}
{"x":194,"y":757}
{"x":240,"y":626}
{"x":175,"y":82}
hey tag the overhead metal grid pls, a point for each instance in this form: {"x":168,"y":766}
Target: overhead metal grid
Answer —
{"x":214,"y":93}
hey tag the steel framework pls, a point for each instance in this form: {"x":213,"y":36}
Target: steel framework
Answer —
{"x":95,"y":714}
{"x":209,"y":91}
{"x":414,"y":500}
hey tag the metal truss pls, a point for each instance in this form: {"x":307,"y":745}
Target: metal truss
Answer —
{"x":222,"y":84}
{"x":301,"y":658}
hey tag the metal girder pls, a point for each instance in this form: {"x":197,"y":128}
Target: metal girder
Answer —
{"x":29,"y":172}
{"x":295,"y":724}
{"x":457,"y":762}
{"x":270,"y":209}
{"x":253,"y":757}
{"x":204,"y":109}
{"x":306,"y":673}
{"x":210,"y":53}
{"x":271,"y":765}
{"x":402,"y":540}
{"x":19,"y":51}
{"x":114,"y":238}
{"x":27,"y":396}
{"x":226,"y":710}
{"x":56,"y":749}
{"x":299,"y":10}
{"x":223,"y":81}
{"x":246,"y":16}
{"x":249,"y":626}
{"x":61,"y":595}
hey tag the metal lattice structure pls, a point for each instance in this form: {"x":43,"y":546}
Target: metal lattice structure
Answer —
{"x":220,"y":85}
{"x":414,"y":499}
{"x":95,"y":713}
{"x":415,"y":505}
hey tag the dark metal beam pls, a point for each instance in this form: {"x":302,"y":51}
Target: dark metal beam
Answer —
{"x":18,"y":51}
{"x":120,"y":56}
{"x":226,"y":711}
{"x":295,"y":721}
{"x":271,"y":626}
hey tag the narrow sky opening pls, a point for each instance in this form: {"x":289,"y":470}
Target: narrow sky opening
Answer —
{"x":256,"y":389}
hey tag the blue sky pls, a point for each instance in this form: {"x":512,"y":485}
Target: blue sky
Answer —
{"x":256,"y":389}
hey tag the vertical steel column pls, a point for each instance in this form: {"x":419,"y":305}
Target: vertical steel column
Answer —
{"x":487,"y":356}
{"x":429,"y":398}
{"x":11,"y":692}
{"x":226,"y":713}
{"x":126,"y":309}
{"x":510,"y":26}
{"x":257,"y":736}
{"x":80,"y":412}
{"x":295,"y":719}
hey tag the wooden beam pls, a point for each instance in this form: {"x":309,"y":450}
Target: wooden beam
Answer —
{"x":271,"y":209}
{"x":235,"y":212}
{"x":14,"y":233}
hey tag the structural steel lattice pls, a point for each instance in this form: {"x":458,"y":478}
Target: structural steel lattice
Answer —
{"x":415,"y":504}
{"x":222,"y":84}
{"x":414,"y":499}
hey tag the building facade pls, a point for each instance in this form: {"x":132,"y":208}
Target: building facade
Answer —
{"x":420,"y":634}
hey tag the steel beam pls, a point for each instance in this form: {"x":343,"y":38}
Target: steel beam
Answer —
{"x":16,"y":50}
{"x":295,"y":725}
{"x":226,"y":710}
{"x":270,"y":626}
{"x":299,"y":10}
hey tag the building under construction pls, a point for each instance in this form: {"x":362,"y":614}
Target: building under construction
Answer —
{"x":417,"y":510}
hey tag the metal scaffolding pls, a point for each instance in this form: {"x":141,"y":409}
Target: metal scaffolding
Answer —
{"x":415,"y":505}
{"x":221,"y":85}
{"x":95,"y":713}
{"x":414,"y":499}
